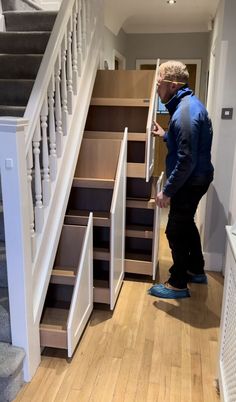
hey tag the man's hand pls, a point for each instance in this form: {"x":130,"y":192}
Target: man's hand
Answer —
{"x":157,"y":130}
{"x":162,"y":200}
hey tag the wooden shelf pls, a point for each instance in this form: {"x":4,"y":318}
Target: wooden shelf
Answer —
{"x":136,"y":170}
{"x":138,"y":267}
{"x":93,"y":183}
{"x":101,"y":254}
{"x":115,"y":135}
{"x":63,"y":276}
{"x":53,"y":328}
{"x":101,"y":291}
{"x":143,"y":204}
{"x":139,"y":231}
{"x":120,"y":102}
{"x":79,"y":217}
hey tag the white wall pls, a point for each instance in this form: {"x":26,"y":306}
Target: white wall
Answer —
{"x":219,"y":206}
{"x":113,"y":42}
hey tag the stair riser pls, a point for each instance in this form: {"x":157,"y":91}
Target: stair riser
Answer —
{"x":15,"y":92}
{"x":5,"y":328}
{"x":21,"y":67}
{"x":29,"y":21}
{"x":23,"y":43}
{"x":11,"y":386}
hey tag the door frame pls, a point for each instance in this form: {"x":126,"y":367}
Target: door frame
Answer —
{"x":198,"y":63}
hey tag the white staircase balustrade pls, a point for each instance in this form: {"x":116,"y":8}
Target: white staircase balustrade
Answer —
{"x":49,"y":143}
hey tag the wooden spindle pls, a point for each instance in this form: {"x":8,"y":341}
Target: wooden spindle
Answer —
{"x":52,"y":131}
{"x":69,"y":66}
{"x":64,"y":86}
{"x":58,"y":113}
{"x":38,"y":210}
{"x":45,"y":159}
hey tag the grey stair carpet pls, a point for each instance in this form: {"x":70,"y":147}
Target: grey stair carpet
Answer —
{"x":21,"y":49}
{"x":11,"y":5}
{"x":5,"y":326}
{"x":23,"y":42}
{"x":29,"y":20}
{"x":11,"y":373}
{"x":3,"y":265}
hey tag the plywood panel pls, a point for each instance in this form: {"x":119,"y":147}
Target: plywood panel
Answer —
{"x":123,"y":84}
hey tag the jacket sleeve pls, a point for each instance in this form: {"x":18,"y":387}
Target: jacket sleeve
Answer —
{"x":186,"y":132}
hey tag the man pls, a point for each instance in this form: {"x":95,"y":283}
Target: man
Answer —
{"x":189,"y":173}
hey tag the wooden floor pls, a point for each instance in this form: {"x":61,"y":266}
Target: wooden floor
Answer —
{"x":148,"y":350}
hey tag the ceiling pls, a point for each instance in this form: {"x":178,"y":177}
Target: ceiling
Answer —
{"x":156,"y":16}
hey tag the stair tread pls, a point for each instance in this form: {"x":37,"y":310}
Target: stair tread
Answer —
{"x":36,"y":20}
{"x":11,"y":357}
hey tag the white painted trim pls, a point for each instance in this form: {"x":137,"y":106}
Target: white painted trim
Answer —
{"x":198,"y":63}
{"x":213,"y":262}
{"x":120,"y":57}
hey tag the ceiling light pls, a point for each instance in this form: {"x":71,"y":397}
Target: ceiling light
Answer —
{"x":171,"y":1}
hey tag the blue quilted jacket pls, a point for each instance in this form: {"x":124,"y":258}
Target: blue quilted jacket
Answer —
{"x":188,"y":139}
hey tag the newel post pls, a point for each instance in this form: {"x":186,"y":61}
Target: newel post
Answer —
{"x":17,"y":222}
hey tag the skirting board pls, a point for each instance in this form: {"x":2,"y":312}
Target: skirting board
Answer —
{"x":214,"y":262}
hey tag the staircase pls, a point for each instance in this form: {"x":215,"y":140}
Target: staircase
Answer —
{"x":21,"y":50}
{"x":46,"y":81}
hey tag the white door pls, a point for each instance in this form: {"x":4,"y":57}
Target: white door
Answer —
{"x":156,"y":230}
{"x":82,"y":299}
{"x":150,"y":140}
{"x":117,"y":235}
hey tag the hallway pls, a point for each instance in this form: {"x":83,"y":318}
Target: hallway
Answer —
{"x":148,"y":350}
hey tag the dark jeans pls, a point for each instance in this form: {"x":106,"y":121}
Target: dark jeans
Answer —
{"x":183,"y":236}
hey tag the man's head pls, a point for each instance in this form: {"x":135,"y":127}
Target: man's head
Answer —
{"x":172,"y":76}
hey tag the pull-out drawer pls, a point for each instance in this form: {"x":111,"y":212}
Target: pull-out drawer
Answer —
{"x":99,"y":186}
{"x":142,"y":231}
{"x":69,"y":300}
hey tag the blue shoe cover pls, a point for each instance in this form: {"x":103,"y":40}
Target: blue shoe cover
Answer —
{"x":200,"y":278}
{"x":159,"y":290}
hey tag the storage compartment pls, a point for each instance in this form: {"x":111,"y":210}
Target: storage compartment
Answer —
{"x":139,"y":216}
{"x":69,"y":299}
{"x":99,"y":185}
{"x":116,"y":118}
{"x":136,"y":152}
{"x":139,"y":189}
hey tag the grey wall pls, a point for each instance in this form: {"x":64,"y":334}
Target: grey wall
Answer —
{"x":170,"y":46}
{"x":112,"y":42}
{"x":221,"y":199}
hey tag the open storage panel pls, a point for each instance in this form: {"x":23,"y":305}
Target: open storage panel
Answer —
{"x":69,"y":300}
{"x":142,"y":227}
{"x":99,"y":186}
{"x":127,"y":99}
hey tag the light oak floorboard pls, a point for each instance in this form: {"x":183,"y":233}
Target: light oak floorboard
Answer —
{"x":147,"y":350}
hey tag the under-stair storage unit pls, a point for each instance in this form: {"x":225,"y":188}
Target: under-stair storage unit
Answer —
{"x":99,"y":186}
{"x":142,"y":227}
{"x":129,"y":98}
{"x":69,"y":300}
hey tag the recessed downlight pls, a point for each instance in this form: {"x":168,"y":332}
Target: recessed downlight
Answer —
{"x":171,"y":1}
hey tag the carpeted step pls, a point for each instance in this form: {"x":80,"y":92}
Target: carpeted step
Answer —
{"x":16,"y":111}
{"x":29,"y":20}
{"x":2,"y":232}
{"x":23,"y":42}
{"x":15,"y":92}
{"x":3,"y":266}
{"x":11,"y":5}
{"x":11,"y":371}
{"x":19,"y":66}
{"x":5,"y":326}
